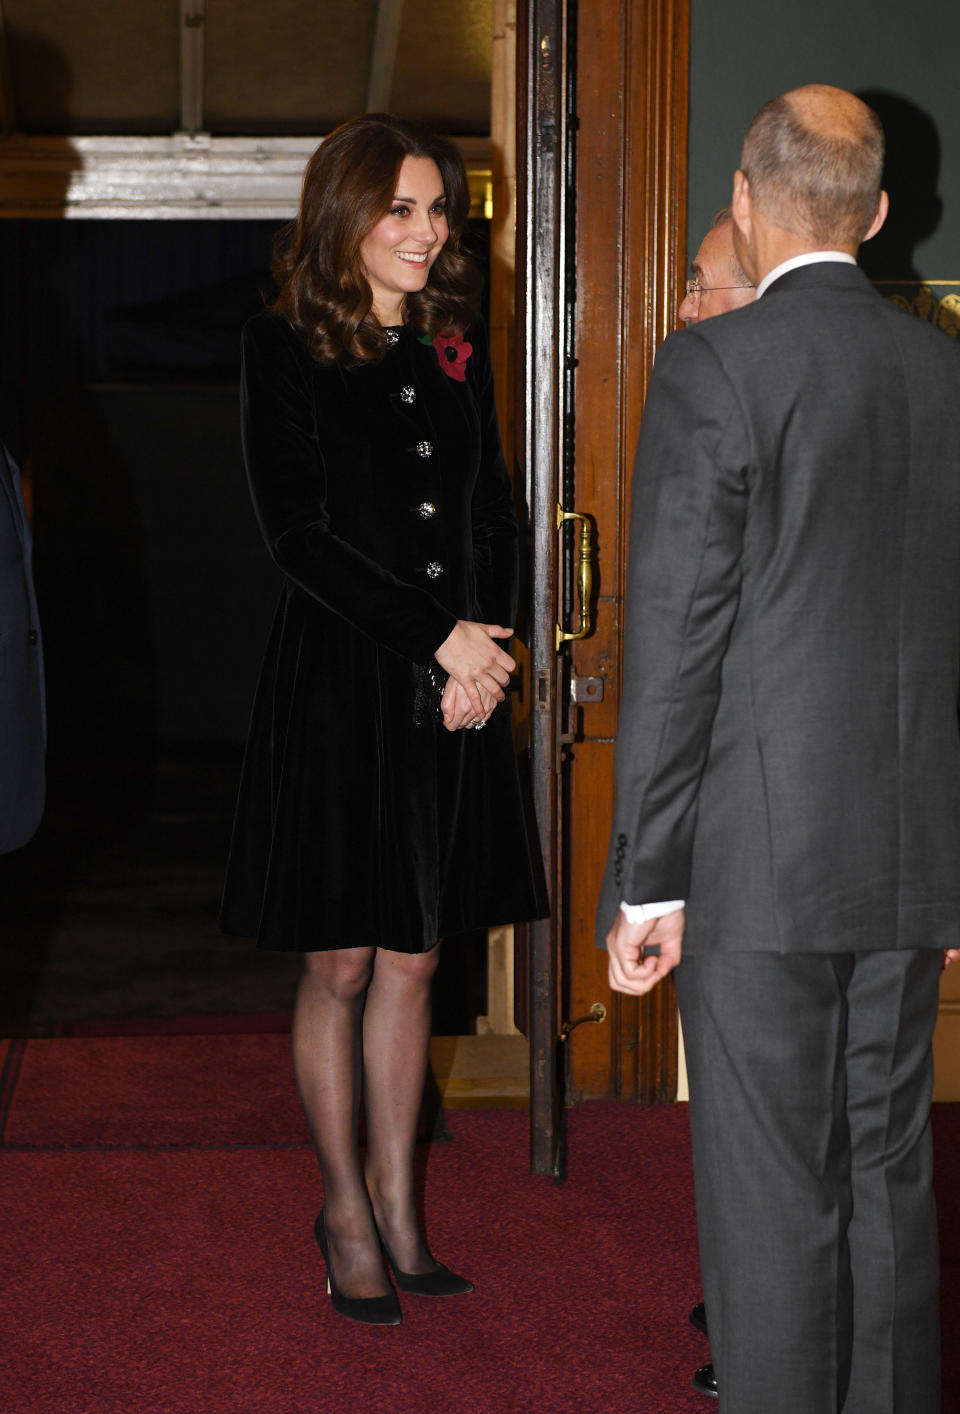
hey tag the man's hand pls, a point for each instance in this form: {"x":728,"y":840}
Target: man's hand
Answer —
{"x":630,"y":971}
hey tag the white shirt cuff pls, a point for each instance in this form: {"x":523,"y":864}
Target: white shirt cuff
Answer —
{"x":643,"y":912}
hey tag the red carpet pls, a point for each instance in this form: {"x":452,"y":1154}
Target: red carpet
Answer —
{"x":158,"y":1201}
{"x":131,"y":1091}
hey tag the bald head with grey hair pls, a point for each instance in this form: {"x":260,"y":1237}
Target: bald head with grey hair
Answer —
{"x":814,"y":158}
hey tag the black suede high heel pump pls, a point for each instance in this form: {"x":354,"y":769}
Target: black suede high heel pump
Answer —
{"x":371,"y":1310}
{"x":439,"y":1282}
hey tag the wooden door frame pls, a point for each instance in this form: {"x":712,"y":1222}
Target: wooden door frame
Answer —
{"x":541,"y":62}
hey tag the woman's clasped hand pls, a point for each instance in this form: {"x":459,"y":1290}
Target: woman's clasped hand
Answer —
{"x":479,"y":672}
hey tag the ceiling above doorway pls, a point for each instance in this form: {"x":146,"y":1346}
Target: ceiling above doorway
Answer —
{"x":209,"y":108}
{"x":266,"y":67}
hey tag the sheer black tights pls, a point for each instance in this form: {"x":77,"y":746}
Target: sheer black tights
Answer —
{"x":362,"y":1019}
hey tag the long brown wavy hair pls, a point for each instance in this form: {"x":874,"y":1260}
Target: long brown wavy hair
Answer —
{"x":349,"y":184}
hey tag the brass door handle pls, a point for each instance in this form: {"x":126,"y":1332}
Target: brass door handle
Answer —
{"x":597,"y":1012}
{"x":584,"y":574}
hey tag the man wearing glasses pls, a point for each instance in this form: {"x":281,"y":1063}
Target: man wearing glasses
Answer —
{"x":718,"y":284}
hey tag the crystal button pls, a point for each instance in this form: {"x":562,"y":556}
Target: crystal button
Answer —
{"x":408,"y":394}
{"x":392,"y":336}
{"x":427,"y":510}
{"x":434,"y":569}
{"x":424,"y":449}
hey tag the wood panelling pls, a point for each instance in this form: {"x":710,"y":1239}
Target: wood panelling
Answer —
{"x":946,"y":1038}
{"x":632,"y":58}
{"x":591,"y":1048}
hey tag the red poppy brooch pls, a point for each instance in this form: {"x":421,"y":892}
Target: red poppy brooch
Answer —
{"x":452,"y":352}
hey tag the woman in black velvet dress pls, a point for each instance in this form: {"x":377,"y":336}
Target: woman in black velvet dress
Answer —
{"x":379,"y":807}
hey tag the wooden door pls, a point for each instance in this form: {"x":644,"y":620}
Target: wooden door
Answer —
{"x":603,"y":115}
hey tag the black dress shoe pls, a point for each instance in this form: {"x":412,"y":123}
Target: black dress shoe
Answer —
{"x":705,"y":1381}
{"x":698,"y":1317}
{"x":439,"y":1281}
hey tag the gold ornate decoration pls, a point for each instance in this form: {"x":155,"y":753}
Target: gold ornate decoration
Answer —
{"x":920,"y":298}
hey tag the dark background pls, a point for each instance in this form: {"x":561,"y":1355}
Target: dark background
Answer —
{"x":746,"y":51}
{"x":118,"y":396}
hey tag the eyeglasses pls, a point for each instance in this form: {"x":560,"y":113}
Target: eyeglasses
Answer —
{"x":693,"y":287}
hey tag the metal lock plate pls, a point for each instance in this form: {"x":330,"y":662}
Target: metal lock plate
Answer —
{"x":583,"y":690}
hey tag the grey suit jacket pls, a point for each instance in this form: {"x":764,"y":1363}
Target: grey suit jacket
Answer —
{"x":22,"y":716}
{"x":788,"y":758}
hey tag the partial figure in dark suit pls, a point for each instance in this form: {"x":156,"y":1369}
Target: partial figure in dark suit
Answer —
{"x":788,"y":776}
{"x":22,"y":713}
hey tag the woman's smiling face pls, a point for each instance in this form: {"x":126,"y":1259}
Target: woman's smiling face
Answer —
{"x":399,"y":250}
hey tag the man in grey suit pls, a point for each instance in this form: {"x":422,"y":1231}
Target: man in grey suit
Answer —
{"x":22,"y":722}
{"x":788,"y":776}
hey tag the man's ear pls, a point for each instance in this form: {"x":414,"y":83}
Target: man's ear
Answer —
{"x":883,"y":206}
{"x":741,"y":205}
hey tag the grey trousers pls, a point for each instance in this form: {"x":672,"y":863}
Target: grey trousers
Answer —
{"x":810,"y":1083}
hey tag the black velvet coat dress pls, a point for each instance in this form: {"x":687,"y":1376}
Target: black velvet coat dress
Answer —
{"x":382,"y":495}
